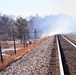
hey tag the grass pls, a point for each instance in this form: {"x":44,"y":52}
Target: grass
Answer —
{"x":9,"y":59}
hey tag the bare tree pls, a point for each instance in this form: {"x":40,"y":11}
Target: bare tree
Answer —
{"x":6,"y":23}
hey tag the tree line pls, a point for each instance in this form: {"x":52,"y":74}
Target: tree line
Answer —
{"x":20,"y":25}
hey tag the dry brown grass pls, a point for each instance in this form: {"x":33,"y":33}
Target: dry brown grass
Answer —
{"x":19,"y":54}
{"x":6,"y":45}
{"x":9,"y":52}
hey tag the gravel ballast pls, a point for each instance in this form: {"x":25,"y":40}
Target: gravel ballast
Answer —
{"x":35,"y":62}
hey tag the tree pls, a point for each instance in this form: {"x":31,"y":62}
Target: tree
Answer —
{"x":21,"y":27}
{"x":6,"y":23}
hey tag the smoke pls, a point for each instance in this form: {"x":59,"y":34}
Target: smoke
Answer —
{"x":56,"y":24}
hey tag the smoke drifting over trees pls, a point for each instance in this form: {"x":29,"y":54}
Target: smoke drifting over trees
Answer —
{"x":53,"y":24}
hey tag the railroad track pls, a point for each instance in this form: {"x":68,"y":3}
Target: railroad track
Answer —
{"x":63,"y":57}
{"x":71,"y":37}
{"x":67,"y":57}
{"x":45,"y":60}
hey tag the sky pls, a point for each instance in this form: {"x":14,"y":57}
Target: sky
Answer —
{"x":26,"y":8}
{"x":42,"y":7}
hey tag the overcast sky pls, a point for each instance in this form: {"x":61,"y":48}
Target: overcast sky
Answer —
{"x":41,"y":7}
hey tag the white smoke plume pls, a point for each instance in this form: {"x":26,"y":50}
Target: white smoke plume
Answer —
{"x":56,"y":24}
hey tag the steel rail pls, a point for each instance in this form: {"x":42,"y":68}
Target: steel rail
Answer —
{"x":69,"y":41}
{"x":60,"y":59}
